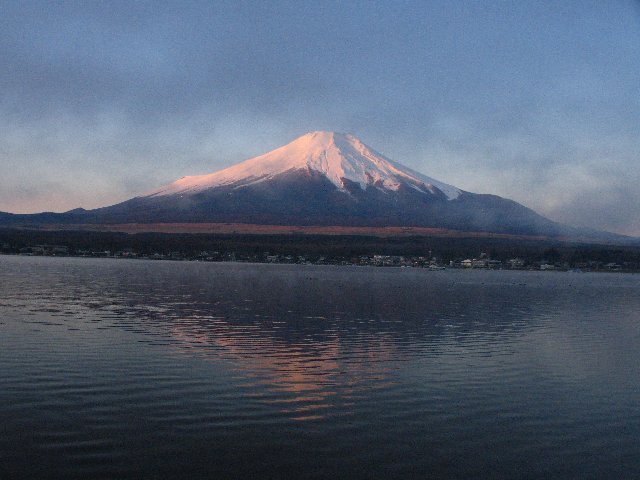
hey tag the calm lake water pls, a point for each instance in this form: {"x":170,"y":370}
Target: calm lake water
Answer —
{"x":141,"y":369}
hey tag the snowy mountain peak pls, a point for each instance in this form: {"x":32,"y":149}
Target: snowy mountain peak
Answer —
{"x":337,"y":156}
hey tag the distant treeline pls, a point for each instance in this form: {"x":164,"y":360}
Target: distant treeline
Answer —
{"x":313,"y":246}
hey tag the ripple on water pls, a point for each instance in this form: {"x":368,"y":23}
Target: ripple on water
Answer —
{"x":121,"y":369}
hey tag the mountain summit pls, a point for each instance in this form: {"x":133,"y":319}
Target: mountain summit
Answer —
{"x":338,"y":157}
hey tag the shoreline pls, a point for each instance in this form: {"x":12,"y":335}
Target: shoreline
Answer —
{"x":437,"y":268}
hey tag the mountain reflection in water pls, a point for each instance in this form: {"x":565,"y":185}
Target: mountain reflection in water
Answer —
{"x":130,"y":369}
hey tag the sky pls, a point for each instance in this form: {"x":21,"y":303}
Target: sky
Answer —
{"x":534,"y":101}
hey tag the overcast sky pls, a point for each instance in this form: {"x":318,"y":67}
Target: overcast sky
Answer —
{"x":536,"y":101}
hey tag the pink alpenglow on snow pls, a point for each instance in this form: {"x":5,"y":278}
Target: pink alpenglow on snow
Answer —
{"x":337,"y":156}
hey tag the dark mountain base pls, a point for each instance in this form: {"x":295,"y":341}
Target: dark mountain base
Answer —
{"x":310,"y":199}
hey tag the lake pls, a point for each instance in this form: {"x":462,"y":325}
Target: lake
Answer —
{"x":143,"y":369}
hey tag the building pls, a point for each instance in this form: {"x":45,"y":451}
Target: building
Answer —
{"x":516,"y":263}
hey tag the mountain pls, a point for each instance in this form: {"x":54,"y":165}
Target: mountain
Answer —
{"x":340,"y":158}
{"x":324,"y":179}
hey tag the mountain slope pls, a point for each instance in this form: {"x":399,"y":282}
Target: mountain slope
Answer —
{"x":309,"y":198}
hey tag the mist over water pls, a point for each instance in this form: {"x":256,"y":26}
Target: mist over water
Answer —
{"x":138,"y":369}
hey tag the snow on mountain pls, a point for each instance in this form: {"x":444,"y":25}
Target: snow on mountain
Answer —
{"x":336,"y":156}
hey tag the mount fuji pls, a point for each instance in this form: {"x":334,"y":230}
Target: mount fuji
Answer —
{"x":341,"y":159}
{"x":319,"y":179}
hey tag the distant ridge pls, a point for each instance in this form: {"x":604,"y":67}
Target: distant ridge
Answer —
{"x":320,"y":179}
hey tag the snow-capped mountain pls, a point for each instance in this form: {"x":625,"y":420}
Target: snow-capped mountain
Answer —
{"x":319,"y":179}
{"x":326,"y":178}
{"x":336,"y":156}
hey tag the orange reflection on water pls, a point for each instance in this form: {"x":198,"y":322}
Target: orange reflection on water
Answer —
{"x":304,"y":379}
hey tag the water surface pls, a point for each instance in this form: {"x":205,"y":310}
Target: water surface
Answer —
{"x":142,"y":369}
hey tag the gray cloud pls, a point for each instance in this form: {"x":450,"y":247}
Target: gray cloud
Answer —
{"x":539,"y":102}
